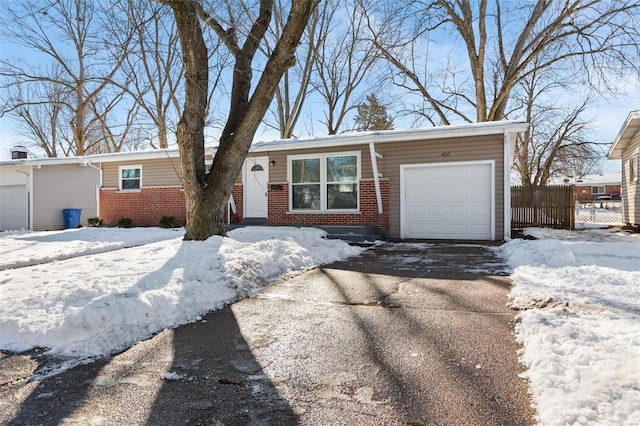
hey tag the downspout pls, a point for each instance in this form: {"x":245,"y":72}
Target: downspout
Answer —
{"x":29,"y":175}
{"x":376,"y":175}
{"x":507,"y":186}
{"x":231,"y":207}
{"x":99,"y":169}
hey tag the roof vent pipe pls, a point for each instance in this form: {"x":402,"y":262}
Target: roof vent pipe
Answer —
{"x":19,"y":152}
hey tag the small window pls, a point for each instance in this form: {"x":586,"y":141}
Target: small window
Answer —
{"x":597,"y":190}
{"x":130,"y":178}
{"x":633,"y":168}
{"x":257,"y":168}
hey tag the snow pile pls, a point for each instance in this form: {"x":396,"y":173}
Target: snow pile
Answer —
{"x":32,"y":248}
{"x":94,"y":305}
{"x":580,"y":326}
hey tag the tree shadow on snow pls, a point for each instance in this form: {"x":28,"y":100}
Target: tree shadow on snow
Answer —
{"x":199,"y":373}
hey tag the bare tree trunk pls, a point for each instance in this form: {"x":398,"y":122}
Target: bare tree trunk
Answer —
{"x":207,"y":194}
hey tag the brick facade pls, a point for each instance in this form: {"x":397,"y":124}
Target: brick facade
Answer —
{"x":237,"y":193}
{"x":145,"y":207}
{"x":278,"y":204}
{"x":583,"y":193}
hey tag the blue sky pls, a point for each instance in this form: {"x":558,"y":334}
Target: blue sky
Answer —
{"x":607,"y":115}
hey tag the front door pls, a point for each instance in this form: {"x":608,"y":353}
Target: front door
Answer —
{"x":255,"y":179}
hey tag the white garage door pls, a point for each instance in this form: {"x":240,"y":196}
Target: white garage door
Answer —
{"x":448,"y":201}
{"x":13,"y":207}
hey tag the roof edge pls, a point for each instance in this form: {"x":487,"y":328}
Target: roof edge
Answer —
{"x":390,"y":136}
{"x":624,"y":136}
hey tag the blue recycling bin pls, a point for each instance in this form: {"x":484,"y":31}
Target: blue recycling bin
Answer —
{"x":71,"y":218}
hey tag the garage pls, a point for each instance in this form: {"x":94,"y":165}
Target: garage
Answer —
{"x":13,"y":207}
{"x":448,"y":200}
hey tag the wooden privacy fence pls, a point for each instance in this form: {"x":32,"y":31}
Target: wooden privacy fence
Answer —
{"x":542,"y":206}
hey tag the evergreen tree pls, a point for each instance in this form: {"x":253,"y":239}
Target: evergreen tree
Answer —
{"x":373,"y":116}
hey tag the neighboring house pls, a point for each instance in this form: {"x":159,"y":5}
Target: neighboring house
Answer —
{"x":34,"y":192}
{"x":449,"y":182}
{"x":590,"y":187}
{"x":442,"y":182}
{"x":626,"y":147}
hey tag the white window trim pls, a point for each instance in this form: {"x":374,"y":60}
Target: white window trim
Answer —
{"x":120,"y":169}
{"x":604,"y":189}
{"x":634,"y":168}
{"x":323,"y":181}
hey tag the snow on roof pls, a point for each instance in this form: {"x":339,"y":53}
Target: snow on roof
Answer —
{"x":589,"y":180}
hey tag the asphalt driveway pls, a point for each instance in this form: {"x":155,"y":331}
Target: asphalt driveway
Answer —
{"x":405,"y":334}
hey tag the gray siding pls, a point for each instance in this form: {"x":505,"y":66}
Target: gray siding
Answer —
{"x":630,"y":190}
{"x":59,"y":187}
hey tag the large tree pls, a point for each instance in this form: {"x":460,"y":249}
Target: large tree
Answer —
{"x":557,"y":140}
{"x":585,"y":42}
{"x":207,"y":194}
{"x":344,"y":61}
{"x":293,"y":90}
{"x":80,"y":47}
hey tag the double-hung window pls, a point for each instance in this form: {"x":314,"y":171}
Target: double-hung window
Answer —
{"x":130,"y":178}
{"x":633,"y":168}
{"x":597,"y":190}
{"x":326,"y":182}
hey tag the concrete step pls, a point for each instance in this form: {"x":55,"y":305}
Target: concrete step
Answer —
{"x":255,"y":221}
{"x":351,"y":234}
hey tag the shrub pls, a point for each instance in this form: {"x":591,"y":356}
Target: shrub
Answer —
{"x":169,"y":222}
{"x":94,"y":221}
{"x":125,"y":222}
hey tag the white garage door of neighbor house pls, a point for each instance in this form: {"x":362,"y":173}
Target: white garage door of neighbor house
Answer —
{"x":448,"y":201}
{"x":13,"y":207}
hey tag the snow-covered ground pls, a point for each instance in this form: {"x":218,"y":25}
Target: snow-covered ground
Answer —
{"x":91,"y":292}
{"x":94,"y":291}
{"x":580,"y":324}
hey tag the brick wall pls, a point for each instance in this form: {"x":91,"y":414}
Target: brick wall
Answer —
{"x":144,"y":208}
{"x":583,"y":193}
{"x":278,"y":203}
{"x":237,"y":193}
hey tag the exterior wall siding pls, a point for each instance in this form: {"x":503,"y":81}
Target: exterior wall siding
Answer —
{"x":490,"y":147}
{"x":165,"y":173}
{"x":156,"y":172}
{"x":278,"y":169}
{"x":278,"y":205}
{"x":630,"y":190}
{"x":60,"y":187}
{"x":145,"y":207}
